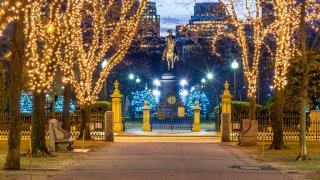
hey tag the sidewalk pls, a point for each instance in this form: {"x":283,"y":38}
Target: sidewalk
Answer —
{"x":199,"y":158}
{"x":135,"y":132}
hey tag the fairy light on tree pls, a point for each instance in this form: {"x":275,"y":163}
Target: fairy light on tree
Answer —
{"x":43,"y":38}
{"x":237,"y":30}
{"x":94,"y":30}
{"x":287,"y":19}
{"x":9,"y":11}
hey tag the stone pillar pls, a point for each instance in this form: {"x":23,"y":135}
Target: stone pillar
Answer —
{"x":108,"y":126}
{"x":146,"y":117}
{"x":226,"y":124}
{"x":196,"y":117}
{"x":116,"y":105}
{"x":225,"y":127}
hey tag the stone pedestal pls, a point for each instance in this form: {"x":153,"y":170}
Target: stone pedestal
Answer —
{"x":108,"y":126}
{"x":196,"y":118}
{"x":248,"y":136}
{"x":225,"y":127}
{"x":146,"y":117}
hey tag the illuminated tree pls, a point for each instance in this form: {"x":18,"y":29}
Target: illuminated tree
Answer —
{"x":201,"y":97}
{"x":9,"y":11}
{"x":59,"y":105}
{"x":43,"y":38}
{"x":138,"y":98}
{"x":94,"y":31}
{"x":17,"y":46}
{"x":248,"y":33}
{"x":287,"y":15}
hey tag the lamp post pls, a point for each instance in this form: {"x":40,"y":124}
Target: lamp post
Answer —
{"x":234,"y":66}
{"x":103,"y":65}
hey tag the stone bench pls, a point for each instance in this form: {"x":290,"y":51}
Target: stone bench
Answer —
{"x":59,"y":138}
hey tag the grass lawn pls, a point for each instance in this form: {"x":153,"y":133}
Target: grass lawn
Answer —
{"x":44,"y":167}
{"x":285,"y":159}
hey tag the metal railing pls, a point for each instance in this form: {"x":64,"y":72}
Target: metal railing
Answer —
{"x":290,"y":126}
{"x":96,"y":125}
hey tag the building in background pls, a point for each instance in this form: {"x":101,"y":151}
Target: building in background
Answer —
{"x":207,"y":18}
{"x":148,"y":33}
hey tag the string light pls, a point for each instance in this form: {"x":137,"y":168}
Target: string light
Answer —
{"x":9,"y":11}
{"x":237,"y":30}
{"x":284,"y":26}
{"x":43,"y":38}
{"x":107,"y":32}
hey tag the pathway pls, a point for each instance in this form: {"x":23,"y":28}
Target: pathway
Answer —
{"x":162,"y":158}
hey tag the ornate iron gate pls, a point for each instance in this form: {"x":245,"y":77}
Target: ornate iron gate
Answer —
{"x":171,"y":123}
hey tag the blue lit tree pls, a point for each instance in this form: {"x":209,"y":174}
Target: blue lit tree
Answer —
{"x":138,"y":98}
{"x":59,"y":105}
{"x":26,"y":103}
{"x":201,"y":97}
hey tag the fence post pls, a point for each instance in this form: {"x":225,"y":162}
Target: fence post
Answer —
{"x":108,"y":126}
{"x":146,"y":117}
{"x":196,"y":117}
{"x":226,"y":122}
{"x":116,"y":104}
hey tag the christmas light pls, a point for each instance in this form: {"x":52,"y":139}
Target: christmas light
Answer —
{"x":92,"y":30}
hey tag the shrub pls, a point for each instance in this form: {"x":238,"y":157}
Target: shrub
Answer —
{"x":240,"y":107}
{"x":101,"y":107}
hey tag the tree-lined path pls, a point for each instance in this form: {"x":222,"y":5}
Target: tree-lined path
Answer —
{"x":163,"y":158}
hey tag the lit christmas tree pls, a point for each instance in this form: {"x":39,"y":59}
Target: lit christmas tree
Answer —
{"x":26,"y":103}
{"x":201,"y":97}
{"x":138,"y":98}
{"x":59,"y":105}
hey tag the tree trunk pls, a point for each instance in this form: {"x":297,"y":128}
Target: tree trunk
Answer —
{"x":85,"y":123}
{"x":13,"y":156}
{"x":303,"y":154}
{"x":66,"y":107}
{"x":277,"y":142}
{"x":252,"y":108}
{"x":39,"y":148}
{"x":53,"y":105}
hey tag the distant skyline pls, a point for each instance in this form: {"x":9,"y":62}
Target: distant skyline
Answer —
{"x":173,"y":13}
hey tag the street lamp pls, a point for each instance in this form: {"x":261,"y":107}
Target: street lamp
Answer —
{"x":209,"y":76}
{"x":138,"y":80}
{"x":183,"y":82}
{"x":131,"y":76}
{"x":103,"y":65}
{"x":234,"y":66}
{"x":156,"y":82}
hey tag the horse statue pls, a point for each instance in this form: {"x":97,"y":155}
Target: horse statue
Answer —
{"x":169,"y":53}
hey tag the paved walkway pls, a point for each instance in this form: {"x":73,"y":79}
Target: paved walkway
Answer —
{"x":144,"y":158}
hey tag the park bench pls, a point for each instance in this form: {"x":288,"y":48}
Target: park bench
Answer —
{"x":59,"y":138}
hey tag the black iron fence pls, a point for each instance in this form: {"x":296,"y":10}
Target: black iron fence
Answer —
{"x":171,"y":123}
{"x":96,"y":125}
{"x":290,"y":126}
